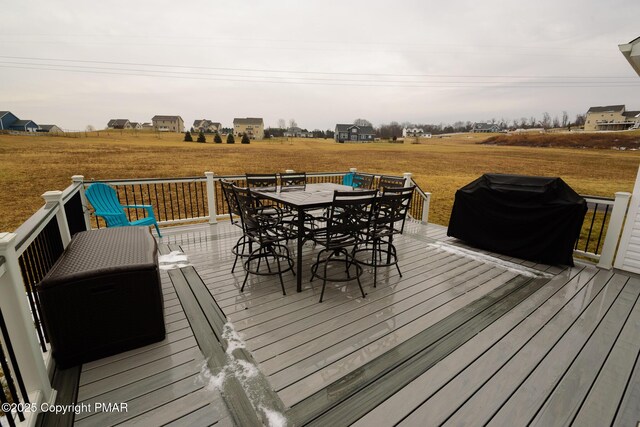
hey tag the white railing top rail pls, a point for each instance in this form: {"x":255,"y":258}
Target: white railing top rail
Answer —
{"x":29,"y":230}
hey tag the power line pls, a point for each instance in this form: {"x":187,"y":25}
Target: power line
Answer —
{"x":337,"y":82}
{"x":258,"y":70}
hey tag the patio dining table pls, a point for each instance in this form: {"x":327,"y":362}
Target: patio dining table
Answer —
{"x":301,"y":199}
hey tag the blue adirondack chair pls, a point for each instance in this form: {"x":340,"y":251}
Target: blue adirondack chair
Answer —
{"x":107,"y":206}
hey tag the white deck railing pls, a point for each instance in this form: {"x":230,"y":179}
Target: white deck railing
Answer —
{"x":29,"y":253}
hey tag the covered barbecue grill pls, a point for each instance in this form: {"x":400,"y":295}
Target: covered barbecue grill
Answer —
{"x":533,"y":218}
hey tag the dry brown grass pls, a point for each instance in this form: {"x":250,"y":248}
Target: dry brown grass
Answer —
{"x":29,"y":166}
{"x":601,"y":140}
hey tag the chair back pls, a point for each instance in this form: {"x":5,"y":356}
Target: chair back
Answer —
{"x":266,"y":182}
{"x":232,"y":202}
{"x":363,"y":182}
{"x":255,"y":226}
{"x":293,"y":181}
{"x":104,"y":200}
{"x":349,"y":216}
{"x":391,"y":209}
{"x":390,"y":182}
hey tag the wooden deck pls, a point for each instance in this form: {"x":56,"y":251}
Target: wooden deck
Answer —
{"x":462,"y":338}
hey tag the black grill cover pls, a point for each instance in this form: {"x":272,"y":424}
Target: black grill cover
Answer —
{"x":533,"y":218}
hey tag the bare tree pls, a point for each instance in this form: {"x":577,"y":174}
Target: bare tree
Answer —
{"x":362,"y":122}
{"x":532,"y":122}
{"x":282,"y":123}
{"x":293,"y":123}
{"x":565,"y":119}
{"x":90,"y":128}
{"x":523,"y":122}
{"x":580,"y":119}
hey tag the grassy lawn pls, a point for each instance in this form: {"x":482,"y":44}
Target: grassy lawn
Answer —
{"x":29,"y":165}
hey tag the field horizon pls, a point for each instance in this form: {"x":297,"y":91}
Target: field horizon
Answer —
{"x":31,"y":165}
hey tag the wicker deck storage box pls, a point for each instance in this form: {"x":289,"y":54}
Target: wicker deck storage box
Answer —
{"x":103,"y":296}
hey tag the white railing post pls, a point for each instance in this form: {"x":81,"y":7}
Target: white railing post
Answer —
{"x":614,"y":229}
{"x":289,"y":171}
{"x":408,"y":179}
{"x":22,"y":332}
{"x":353,"y":170}
{"x":211,"y":198}
{"x":54,"y":200}
{"x":79,"y":179}
{"x":426,"y":201}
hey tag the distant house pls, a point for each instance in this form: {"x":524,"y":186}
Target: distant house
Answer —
{"x":611,"y":117}
{"x":135,"y":125}
{"x":354,"y":133}
{"x":7,"y":119}
{"x":485,"y":128}
{"x":24,"y":126}
{"x":206,"y":126}
{"x":50,"y":129}
{"x":168,"y":123}
{"x":415,"y":132}
{"x":119,"y":124}
{"x":296,"y":132}
{"x":147,"y":125}
{"x":252,"y":126}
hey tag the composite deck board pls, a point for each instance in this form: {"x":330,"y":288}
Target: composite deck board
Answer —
{"x":330,"y":364}
{"x":327,"y":332}
{"x":497,"y":374}
{"x":565,"y":401}
{"x":307,"y":349}
{"x":511,"y":381}
{"x":600,"y":406}
{"x":396,"y":406}
{"x":271,"y":325}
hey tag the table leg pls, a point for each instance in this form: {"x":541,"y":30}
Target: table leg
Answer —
{"x":300,"y":242}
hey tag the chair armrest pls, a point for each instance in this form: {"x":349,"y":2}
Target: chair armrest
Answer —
{"x":138,"y":206}
{"x":148,"y":208}
{"x":106,"y":214}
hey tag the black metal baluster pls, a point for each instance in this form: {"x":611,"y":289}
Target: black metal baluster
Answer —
{"x":155,"y":189}
{"x":195,"y":188}
{"x":170,"y":201}
{"x":184,"y":201}
{"x":26,"y":262}
{"x":13,"y":359}
{"x":126,"y":201}
{"x":203,"y":193}
{"x":3,"y":399}
{"x":154,"y":207}
{"x":604,"y":221}
{"x":133,"y":190}
{"x":190,"y":198}
{"x":13,"y":393}
{"x":593,"y":218}
{"x":175,"y":185}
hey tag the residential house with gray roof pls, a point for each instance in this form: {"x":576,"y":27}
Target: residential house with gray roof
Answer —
{"x":354,"y":133}
{"x":611,"y":117}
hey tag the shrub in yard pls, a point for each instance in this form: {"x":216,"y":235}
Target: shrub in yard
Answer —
{"x":245,"y":139}
{"x":231,"y":139}
{"x":187,"y":136}
{"x":201,"y":137}
{"x":217,"y":138}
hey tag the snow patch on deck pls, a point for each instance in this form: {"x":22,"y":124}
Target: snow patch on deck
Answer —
{"x":245,"y":372}
{"x":488,"y":259}
{"x":173,"y":260}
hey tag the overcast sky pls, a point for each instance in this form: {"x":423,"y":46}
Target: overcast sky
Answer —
{"x":77,"y":63}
